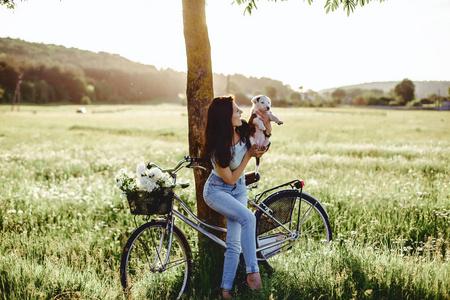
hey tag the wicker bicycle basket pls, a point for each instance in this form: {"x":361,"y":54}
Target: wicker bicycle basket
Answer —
{"x":158,"y":202}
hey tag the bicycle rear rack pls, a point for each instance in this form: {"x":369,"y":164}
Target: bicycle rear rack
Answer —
{"x":295,"y":184}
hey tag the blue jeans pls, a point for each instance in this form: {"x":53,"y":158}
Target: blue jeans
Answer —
{"x":231,"y":201}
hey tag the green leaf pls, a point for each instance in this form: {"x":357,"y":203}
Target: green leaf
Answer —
{"x":335,"y":5}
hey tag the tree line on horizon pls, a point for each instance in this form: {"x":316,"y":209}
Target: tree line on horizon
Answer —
{"x":54,"y":74}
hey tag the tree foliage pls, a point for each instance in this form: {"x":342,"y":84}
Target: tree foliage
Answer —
{"x":347,"y":5}
{"x":338,"y":94}
{"x":271,"y":92}
{"x":74,"y":74}
{"x":405,"y":91}
{"x":9,"y":3}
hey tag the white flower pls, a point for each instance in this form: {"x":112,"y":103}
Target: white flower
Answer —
{"x":155,"y":174}
{"x":140,"y":170}
{"x":166,"y":181}
{"x":121,"y":173}
{"x":140,"y":182}
{"x":145,"y":184}
{"x":145,"y":180}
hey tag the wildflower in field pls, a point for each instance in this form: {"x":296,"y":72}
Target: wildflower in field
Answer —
{"x":312,"y":182}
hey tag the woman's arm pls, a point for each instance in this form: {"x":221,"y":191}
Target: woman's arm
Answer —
{"x":231,"y":177}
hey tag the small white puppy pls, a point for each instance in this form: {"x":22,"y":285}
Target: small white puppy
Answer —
{"x":257,"y":132}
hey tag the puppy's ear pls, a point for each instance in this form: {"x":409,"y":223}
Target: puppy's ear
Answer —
{"x":255,"y":100}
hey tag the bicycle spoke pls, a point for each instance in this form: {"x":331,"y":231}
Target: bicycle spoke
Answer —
{"x":306,"y":218}
{"x":305,"y":215}
{"x":309,"y":229}
{"x":157,"y":264}
{"x":176,"y":263}
{"x":161,"y":242}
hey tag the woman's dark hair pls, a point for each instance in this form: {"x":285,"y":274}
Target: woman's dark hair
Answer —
{"x":219,"y":131}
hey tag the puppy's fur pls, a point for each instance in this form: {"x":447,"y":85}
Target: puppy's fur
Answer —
{"x":256,"y":126}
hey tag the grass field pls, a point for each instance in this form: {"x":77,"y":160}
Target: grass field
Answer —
{"x":383,"y":176}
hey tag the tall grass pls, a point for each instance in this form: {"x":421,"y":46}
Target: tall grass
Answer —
{"x":383,"y":177}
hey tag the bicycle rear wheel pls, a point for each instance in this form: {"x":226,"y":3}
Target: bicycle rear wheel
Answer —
{"x":149,"y":269}
{"x":300,"y":213}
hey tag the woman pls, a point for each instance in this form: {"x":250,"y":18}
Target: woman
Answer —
{"x":226,"y":137}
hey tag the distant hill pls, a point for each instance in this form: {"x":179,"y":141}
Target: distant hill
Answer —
{"x":51,"y":73}
{"x":422,"y":90}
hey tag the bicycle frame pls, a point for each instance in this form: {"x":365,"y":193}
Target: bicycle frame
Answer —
{"x":197,"y":224}
{"x":288,"y":234}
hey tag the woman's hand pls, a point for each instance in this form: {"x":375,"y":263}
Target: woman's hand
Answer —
{"x":256,"y":151}
{"x":264,"y":116}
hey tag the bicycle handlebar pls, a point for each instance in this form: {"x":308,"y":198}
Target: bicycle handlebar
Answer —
{"x":181,"y":164}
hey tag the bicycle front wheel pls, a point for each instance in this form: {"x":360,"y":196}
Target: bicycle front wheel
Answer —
{"x":156,"y":263}
{"x":304,"y":219}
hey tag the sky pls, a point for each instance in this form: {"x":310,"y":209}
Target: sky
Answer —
{"x":291,"y":41}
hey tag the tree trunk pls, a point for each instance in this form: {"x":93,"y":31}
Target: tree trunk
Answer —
{"x":199,"y":94}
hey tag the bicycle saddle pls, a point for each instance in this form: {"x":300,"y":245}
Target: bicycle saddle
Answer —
{"x":252,"y":177}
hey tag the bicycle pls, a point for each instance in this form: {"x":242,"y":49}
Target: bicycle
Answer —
{"x":157,"y":257}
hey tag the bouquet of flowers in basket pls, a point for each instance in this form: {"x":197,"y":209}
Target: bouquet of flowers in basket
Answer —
{"x":144,"y":180}
{"x":146,"y":190}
